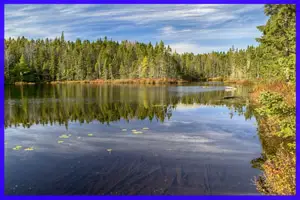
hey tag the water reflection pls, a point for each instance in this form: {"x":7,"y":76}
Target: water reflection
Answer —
{"x":43,"y":104}
{"x":129,"y":139}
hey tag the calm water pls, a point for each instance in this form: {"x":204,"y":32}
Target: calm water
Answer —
{"x":188,"y":140}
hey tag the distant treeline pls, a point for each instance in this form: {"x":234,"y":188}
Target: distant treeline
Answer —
{"x":56,"y":59}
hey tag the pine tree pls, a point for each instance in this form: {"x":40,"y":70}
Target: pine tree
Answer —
{"x":122,"y":71}
{"x":144,"y":72}
{"x":22,"y":68}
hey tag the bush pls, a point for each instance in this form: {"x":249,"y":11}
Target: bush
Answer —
{"x":279,"y":174}
{"x":277,"y":119}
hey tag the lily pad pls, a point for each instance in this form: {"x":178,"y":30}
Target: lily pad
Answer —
{"x":124,"y":129}
{"x":137,"y":132}
{"x":64,"y":136}
{"x":18,"y":147}
{"x":60,"y":141}
{"x":145,"y":128}
{"x":90,"y":134}
{"x":133,"y":130}
{"x":29,"y":149}
{"x":109,"y":150}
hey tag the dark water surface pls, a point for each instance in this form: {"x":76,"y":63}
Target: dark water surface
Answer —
{"x":188,"y":140}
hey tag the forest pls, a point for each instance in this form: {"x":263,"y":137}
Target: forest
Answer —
{"x":270,"y":66}
{"x":45,"y":60}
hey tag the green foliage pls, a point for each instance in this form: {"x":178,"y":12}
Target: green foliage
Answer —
{"x":278,"y":41}
{"x":58,"y":59}
{"x":21,"y":69}
{"x":279,"y":176}
{"x":273,"y":106}
{"x":144,"y":70}
{"x":277,"y":117}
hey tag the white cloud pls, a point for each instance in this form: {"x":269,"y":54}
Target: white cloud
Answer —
{"x":183,"y":47}
{"x":170,"y":30}
{"x":237,"y":32}
{"x":188,"y":23}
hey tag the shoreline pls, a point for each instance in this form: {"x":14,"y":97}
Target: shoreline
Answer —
{"x":114,"y":81}
{"x":145,"y":81}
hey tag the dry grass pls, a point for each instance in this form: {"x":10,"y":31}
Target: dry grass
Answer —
{"x":24,"y":83}
{"x":282,"y":88}
{"x":68,"y":82}
{"x":216,"y":79}
{"x":239,"y":82}
{"x":127,"y":81}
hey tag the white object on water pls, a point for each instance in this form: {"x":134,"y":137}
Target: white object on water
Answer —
{"x":227,"y":88}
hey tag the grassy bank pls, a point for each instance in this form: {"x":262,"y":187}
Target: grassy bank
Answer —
{"x":142,"y":81}
{"x":234,"y":81}
{"x":25,"y":83}
{"x":275,"y":113}
{"x":127,"y":81}
{"x":114,"y":81}
{"x":240,"y":82}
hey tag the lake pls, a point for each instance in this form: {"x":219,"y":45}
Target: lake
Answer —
{"x":87,"y":139}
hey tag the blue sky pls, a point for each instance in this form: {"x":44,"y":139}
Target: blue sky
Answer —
{"x":197,"y":28}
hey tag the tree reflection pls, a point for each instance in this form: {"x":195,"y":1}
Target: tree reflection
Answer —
{"x":49,"y":104}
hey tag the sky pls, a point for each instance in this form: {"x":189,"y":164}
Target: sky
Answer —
{"x":196,"y":28}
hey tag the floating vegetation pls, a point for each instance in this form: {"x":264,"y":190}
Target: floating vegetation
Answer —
{"x":60,"y":141}
{"x":124,"y":129}
{"x":90,"y":134}
{"x":133,"y":130}
{"x":137,"y":132}
{"x":64,"y":136}
{"x":145,"y":128}
{"x":18,"y":147}
{"x":29,"y":149}
{"x":109,"y":150}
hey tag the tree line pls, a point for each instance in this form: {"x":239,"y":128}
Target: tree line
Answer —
{"x":56,"y":59}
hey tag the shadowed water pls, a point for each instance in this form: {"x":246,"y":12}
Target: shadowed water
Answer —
{"x":129,"y":139}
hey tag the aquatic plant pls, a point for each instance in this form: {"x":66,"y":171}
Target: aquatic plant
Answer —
{"x":64,"y":136}
{"x":90,"y":134}
{"x":60,"y":141}
{"x":137,"y":132}
{"x":124,"y":129}
{"x":18,"y":147}
{"x":29,"y":149}
{"x":109,"y":150}
{"x":145,"y":128}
